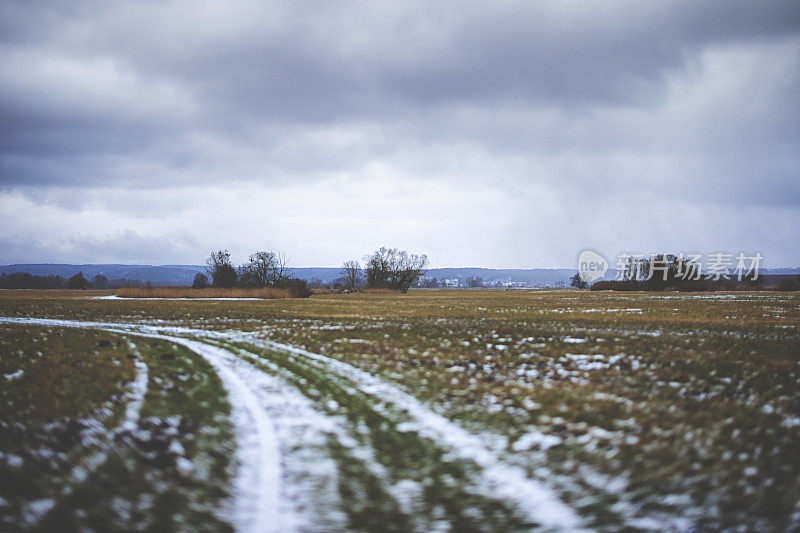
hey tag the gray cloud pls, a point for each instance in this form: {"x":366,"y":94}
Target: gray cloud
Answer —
{"x":690,"y":105}
{"x":125,"y":247}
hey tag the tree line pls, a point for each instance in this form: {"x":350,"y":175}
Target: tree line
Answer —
{"x":23,"y":280}
{"x":673,"y":272}
{"x":385,"y":268}
{"x":263,"y":269}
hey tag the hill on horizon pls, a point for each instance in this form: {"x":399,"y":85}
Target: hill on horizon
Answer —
{"x":184,"y":274}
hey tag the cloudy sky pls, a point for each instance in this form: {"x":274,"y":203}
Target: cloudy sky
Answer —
{"x":497,"y":134}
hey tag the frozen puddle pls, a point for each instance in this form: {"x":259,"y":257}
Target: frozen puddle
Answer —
{"x":287,"y":480}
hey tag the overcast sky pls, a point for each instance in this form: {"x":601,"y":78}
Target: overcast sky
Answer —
{"x":496,"y":134}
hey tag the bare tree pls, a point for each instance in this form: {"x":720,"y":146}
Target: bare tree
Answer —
{"x":377,"y":269}
{"x":280,"y":270}
{"x":394,"y":269}
{"x":351,"y":272}
{"x":265,"y":268}
{"x":411,"y":268}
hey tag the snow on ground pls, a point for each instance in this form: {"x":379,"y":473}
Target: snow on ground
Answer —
{"x":262,"y":503}
{"x":115,"y":297}
{"x":258,"y":505}
{"x":532,"y":497}
{"x":96,"y":437}
{"x":620,"y":310}
{"x":138,"y":391}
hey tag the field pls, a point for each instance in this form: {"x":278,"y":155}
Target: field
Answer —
{"x":431,"y":411}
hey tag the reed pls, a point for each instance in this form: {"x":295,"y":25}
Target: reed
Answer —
{"x":378,"y":290}
{"x":264,"y":293}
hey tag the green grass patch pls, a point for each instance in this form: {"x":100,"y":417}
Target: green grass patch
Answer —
{"x":171,"y":472}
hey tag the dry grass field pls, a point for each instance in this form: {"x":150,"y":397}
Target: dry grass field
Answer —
{"x":262,"y":293}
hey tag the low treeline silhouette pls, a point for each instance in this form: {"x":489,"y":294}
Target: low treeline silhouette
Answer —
{"x":685,"y":286}
{"x":24,"y":280}
{"x":386,"y":270}
{"x":764,"y":283}
{"x":668,"y":272}
{"x":789,"y":284}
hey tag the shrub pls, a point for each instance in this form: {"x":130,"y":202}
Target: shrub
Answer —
{"x":298,"y":288}
{"x":200,"y":281}
{"x":789,"y":284}
{"x":612,"y":285}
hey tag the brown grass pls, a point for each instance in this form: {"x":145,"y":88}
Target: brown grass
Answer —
{"x":378,"y":291}
{"x":264,"y":293}
{"x":322,"y":290}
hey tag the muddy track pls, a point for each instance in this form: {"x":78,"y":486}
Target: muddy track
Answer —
{"x":322,"y":445}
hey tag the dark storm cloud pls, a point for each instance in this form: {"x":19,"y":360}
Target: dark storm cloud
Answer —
{"x":142,"y":79}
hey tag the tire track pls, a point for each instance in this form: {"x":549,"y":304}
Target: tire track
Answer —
{"x":257,"y":502}
{"x":258,"y":505}
{"x":499,"y":478}
{"x":260,"y":498}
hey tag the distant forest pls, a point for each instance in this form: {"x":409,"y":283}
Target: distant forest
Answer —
{"x":108,"y":276}
{"x":23,"y":280}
